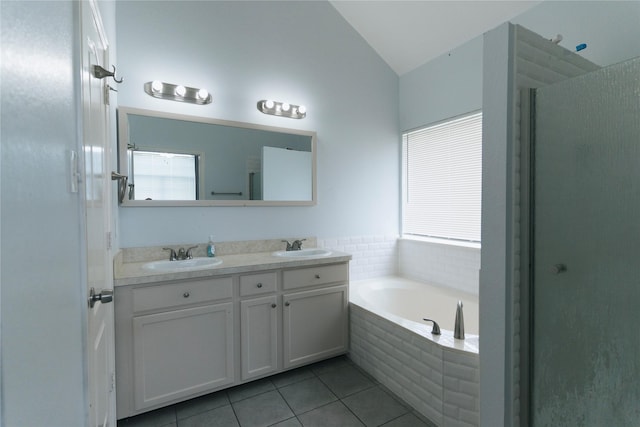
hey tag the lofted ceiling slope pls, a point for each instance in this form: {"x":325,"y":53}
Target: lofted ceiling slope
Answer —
{"x":406,"y":34}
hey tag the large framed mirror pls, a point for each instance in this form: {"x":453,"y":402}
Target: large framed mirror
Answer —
{"x":179,"y":160}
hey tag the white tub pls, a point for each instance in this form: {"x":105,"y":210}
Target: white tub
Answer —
{"x":403,"y":300}
{"x":437,"y":374}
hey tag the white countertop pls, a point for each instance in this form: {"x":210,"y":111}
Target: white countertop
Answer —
{"x":133,"y":273}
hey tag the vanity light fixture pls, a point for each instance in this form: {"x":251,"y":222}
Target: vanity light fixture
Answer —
{"x":283,"y":109}
{"x":180,"y":93}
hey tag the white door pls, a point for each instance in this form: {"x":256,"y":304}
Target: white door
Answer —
{"x":286,"y":174}
{"x":97,"y":205}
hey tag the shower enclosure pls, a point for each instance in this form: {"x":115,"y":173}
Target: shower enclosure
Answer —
{"x":585,"y":250}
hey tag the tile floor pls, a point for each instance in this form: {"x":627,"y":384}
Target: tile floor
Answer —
{"x":327,"y":394}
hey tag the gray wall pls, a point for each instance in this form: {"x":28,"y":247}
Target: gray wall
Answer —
{"x":299,"y":52}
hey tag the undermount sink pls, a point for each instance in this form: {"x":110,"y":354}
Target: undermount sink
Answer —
{"x":186,"y":264}
{"x":303,"y":253}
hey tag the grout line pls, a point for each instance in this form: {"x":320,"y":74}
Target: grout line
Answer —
{"x":235,"y":414}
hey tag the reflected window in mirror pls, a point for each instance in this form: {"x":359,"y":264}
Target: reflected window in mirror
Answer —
{"x":163,"y":176}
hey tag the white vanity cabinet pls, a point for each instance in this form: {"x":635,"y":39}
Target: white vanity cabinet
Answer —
{"x":315,"y":320}
{"x":173,"y":340}
{"x":259,"y":320}
{"x":182,"y":352}
{"x":179,"y":339}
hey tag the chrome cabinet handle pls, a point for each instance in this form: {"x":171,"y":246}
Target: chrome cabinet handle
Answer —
{"x":273,"y":305}
{"x":186,"y":294}
{"x":287,"y":303}
{"x":317,"y":276}
{"x":259,"y":285}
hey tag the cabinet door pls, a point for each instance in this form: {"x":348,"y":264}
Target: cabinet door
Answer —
{"x":315,"y":325}
{"x":259,"y":325}
{"x":181,"y":353}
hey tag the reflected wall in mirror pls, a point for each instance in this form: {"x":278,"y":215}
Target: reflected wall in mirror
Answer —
{"x":179,"y":160}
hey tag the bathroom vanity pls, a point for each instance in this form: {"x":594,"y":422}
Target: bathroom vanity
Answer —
{"x":181,"y":334}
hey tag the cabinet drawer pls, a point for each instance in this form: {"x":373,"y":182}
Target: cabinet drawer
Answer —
{"x":255,"y":284}
{"x":313,"y":276}
{"x":187,"y":292}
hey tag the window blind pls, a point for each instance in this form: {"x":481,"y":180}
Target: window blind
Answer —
{"x":164,"y":176}
{"x":442,"y":180}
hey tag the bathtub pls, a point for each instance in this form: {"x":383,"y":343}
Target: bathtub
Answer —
{"x":437,"y":375}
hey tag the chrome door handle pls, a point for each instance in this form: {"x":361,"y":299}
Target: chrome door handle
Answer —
{"x":558,"y":268}
{"x":105,"y":296}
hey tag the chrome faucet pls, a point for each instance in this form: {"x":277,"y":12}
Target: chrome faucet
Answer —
{"x":172,"y":254}
{"x":190,"y":253}
{"x":458,"y":329}
{"x":436,"y":328}
{"x":182,"y":254}
{"x":295,"y":246}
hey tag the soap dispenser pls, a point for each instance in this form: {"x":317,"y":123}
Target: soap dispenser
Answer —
{"x":211,"y":249}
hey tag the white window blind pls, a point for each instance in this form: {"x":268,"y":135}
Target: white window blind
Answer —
{"x":442,"y":168}
{"x":164,"y":176}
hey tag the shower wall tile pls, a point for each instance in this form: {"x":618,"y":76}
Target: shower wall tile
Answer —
{"x":372,"y":256}
{"x":440,"y":264}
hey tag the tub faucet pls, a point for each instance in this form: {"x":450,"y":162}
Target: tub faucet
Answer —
{"x":436,"y":329}
{"x":458,"y":329}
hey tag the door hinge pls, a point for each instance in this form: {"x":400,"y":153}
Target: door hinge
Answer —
{"x":74,"y":171}
{"x":113,"y":381}
{"x":109,"y":240}
{"x":106,"y":94}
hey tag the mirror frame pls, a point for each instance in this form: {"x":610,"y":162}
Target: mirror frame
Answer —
{"x":123,"y":141}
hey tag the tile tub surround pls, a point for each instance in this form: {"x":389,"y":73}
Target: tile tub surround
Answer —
{"x":441,"y":383}
{"x":237,"y":257}
{"x":372,"y":255}
{"x":454,"y":265}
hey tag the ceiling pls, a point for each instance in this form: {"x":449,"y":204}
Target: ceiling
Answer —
{"x":406,"y":34}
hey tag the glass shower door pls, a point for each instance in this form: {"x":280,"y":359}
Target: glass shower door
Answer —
{"x":586,"y":250}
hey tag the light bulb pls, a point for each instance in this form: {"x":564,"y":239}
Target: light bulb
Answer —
{"x":181,"y":90}
{"x":269,"y":104}
{"x":285,"y":106}
{"x":203,"y":94}
{"x":156,"y":86}
{"x":302,"y":109}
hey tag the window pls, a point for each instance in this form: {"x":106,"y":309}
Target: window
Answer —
{"x":442,"y":180}
{"x":165,"y":176}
